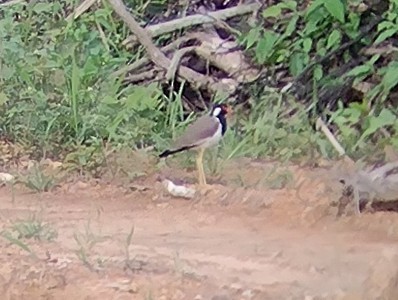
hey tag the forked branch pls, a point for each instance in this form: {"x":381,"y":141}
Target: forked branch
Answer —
{"x":196,"y":79}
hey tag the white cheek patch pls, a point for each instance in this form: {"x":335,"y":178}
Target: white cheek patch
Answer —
{"x":216,"y":111}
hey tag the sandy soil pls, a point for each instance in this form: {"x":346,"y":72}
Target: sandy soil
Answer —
{"x":237,"y":242}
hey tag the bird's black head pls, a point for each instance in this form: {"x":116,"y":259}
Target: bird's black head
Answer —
{"x":220,"y":111}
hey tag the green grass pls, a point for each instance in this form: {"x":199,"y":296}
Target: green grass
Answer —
{"x":32,"y":228}
{"x":58,"y":99}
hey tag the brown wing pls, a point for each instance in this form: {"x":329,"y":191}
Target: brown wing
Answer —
{"x":204,"y":127}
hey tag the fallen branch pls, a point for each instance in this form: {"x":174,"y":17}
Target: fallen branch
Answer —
{"x":10,"y":3}
{"x":175,"y":62}
{"x":336,"y":145}
{"x":142,"y":62}
{"x":144,"y":76}
{"x":198,"y":19}
{"x":81,"y":9}
{"x":197,"y":80}
{"x":225,"y":56}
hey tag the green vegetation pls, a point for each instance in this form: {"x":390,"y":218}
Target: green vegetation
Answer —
{"x":300,"y":38}
{"x":32,"y":227}
{"x":59,"y":100}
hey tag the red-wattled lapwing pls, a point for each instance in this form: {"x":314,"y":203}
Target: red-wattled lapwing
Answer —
{"x":205,"y":132}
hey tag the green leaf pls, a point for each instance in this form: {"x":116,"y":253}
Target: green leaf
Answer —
{"x":336,"y":9}
{"x":8,"y":236}
{"x":374,"y":59}
{"x":314,"y":6}
{"x":252,"y":37}
{"x":7,"y":72}
{"x":385,"y":35}
{"x":385,"y":24}
{"x":307,"y":44}
{"x":142,"y":98}
{"x":3,"y":98}
{"x":334,"y":39}
{"x":318,"y":72}
{"x":291,"y":27}
{"x":297,"y":62}
{"x":282,"y":55}
{"x":291,"y":4}
{"x":265,"y":46}
{"x":359,"y":70}
{"x":42,"y":7}
{"x":390,"y":78}
{"x":392,"y":15}
{"x":385,"y":118}
{"x":272,"y":11}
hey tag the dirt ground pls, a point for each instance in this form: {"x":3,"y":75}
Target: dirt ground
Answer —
{"x":239,"y":241}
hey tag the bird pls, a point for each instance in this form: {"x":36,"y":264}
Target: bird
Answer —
{"x":207,"y":131}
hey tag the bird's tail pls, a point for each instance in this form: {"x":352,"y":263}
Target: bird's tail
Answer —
{"x":171,"y":152}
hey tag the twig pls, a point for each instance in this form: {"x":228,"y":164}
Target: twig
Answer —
{"x":321,"y":125}
{"x":388,"y":49}
{"x":147,"y":75}
{"x":81,"y":9}
{"x":10,"y":3}
{"x":175,"y":62}
{"x":145,"y":60}
{"x":198,"y":19}
{"x":102,"y":35}
{"x":196,"y":79}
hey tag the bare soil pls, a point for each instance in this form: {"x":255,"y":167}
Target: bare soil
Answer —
{"x":239,"y":241}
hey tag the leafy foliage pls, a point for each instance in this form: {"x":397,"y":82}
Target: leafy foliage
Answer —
{"x":58,"y":98}
{"x":295,"y":37}
{"x":56,"y":93}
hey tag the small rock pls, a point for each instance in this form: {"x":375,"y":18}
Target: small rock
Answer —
{"x":248,"y":294}
{"x":81,"y":185}
{"x":5,"y":177}
{"x":236,"y":286}
{"x":179,"y":191}
{"x":133,"y":288}
{"x":124,"y":286}
{"x":198,"y":297}
{"x":163,"y":205}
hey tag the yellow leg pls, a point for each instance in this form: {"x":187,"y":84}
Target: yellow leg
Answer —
{"x":199,"y":165}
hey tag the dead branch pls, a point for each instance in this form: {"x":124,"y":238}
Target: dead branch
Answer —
{"x":198,"y":19}
{"x":102,"y":35}
{"x":175,"y":62}
{"x":196,"y":79}
{"x":383,"y":50}
{"x":223,"y":55}
{"x":81,"y":9}
{"x":336,"y":145}
{"x":142,"y":62}
{"x":10,"y":3}
{"x":143,"y":76}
